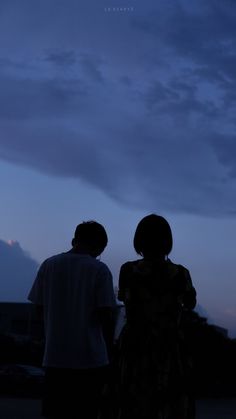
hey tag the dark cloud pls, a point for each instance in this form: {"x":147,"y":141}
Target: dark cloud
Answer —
{"x":141,"y":105}
{"x":224,"y":146}
{"x":26,"y":99}
{"x":61,"y":58}
{"x":17,"y":271}
{"x":91,"y":66}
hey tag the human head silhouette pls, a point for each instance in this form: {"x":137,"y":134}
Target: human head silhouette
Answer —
{"x":153,"y":237}
{"x":91,"y":237}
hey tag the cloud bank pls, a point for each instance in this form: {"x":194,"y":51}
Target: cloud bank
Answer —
{"x":139,"y":104}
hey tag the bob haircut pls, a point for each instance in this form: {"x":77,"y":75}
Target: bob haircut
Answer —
{"x":153,"y":236}
{"x":91,"y":234}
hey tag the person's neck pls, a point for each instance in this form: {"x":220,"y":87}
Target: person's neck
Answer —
{"x":81,"y":250}
{"x":155,"y":258}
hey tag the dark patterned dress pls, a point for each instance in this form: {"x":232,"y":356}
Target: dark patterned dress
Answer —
{"x":152,"y":368}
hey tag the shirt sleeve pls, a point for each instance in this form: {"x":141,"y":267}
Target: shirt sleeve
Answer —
{"x":36,"y":294}
{"x":105,"y":296}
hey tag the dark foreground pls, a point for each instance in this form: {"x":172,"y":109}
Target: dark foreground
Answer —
{"x":20,"y":408}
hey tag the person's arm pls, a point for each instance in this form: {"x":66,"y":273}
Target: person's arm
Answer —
{"x":190,"y":295}
{"x":123,"y":292}
{"x":105,"y":306}
{"x":107,"y":320}
{"x":36,"y":296}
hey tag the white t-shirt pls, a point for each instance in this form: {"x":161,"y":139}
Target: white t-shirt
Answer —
{"x":71,"y":287}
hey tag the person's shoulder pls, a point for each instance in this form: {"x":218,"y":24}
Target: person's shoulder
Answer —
{"x":53,"y":259}
{"x":177,"y":267}
{"x":101,"y":266}
{"x":129,"y":266}
{"x":182,"y":273}
{"x":130,"y":263}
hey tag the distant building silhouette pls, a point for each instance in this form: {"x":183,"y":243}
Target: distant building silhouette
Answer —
{"x":18,"y":320}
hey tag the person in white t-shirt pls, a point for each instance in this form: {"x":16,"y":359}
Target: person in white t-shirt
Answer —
{"x":75,"y":293}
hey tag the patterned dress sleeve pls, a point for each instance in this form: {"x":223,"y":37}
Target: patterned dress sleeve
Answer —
{"x":190,"y":295}
{"x":123,"y":291}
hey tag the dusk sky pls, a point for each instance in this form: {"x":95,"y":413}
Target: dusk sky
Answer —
{"x":111,"y":114}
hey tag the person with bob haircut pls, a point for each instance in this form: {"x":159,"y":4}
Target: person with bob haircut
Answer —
{"x":74,"y":292}
{"x":152,"y":373}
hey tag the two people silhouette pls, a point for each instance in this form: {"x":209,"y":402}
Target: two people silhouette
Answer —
{"x":149,"y":371}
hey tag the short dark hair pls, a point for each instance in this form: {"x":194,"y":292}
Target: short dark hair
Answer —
{"x":92,"y":234}
{"x":153,"y":236}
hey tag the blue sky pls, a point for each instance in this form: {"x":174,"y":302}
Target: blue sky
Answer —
{"x":111,"y":115}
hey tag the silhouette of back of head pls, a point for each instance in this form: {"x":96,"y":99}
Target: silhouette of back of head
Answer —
{"x":92,"y":235}
{"x":153,"y":236}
